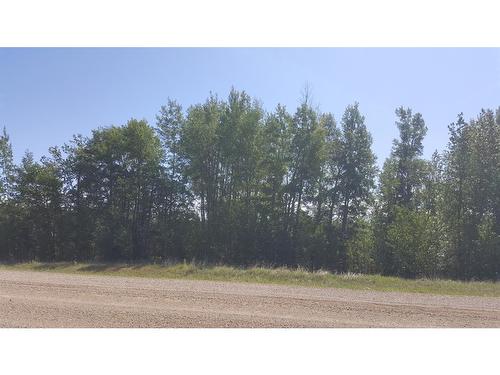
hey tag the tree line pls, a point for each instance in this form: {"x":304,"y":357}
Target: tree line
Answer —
{"x":227,"y":182}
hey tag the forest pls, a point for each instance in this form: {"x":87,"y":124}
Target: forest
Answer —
{"x":226,"y":182}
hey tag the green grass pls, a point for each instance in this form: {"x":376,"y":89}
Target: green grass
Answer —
{"x":271,"y":276}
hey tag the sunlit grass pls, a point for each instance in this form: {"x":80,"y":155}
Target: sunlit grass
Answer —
{"x":284,"y":276}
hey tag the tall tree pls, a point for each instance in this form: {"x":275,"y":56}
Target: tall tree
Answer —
{"x":7,"y":211}
{"x":38,"y":197}
{"x":401,"y":182}
{"x":274,"y":166}
{"x":472,"y":195}
{"x":173,"y":197}
{"x":307,"y":154}
{"x":357,"y":168}
{"x":6,"y":166}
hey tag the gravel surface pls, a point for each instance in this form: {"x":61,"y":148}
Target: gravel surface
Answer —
{"x":43,"y":299}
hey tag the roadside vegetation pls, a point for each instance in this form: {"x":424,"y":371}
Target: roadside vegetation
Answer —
{"x":228,"y":182}
{"x":284,"y":276}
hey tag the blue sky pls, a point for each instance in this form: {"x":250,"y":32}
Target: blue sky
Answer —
{"x":47,"y":95}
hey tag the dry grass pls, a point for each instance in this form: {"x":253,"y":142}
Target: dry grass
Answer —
{"x":286,"y":276}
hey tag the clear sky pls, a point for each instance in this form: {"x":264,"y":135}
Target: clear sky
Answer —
{"x":47,"y":95}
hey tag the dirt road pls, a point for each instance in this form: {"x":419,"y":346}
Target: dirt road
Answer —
{"x":41,"y":299}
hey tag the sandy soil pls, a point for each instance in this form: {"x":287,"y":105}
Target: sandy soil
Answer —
{"x":41,"y":299}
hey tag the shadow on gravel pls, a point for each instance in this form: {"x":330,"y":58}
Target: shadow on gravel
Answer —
{"x":86,"y":268}
{"x":102,"y":267}
{"x":46,"y":267}
{"x":110,"y":267}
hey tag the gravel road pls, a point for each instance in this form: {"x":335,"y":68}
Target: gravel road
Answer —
{"x":43,"y":299}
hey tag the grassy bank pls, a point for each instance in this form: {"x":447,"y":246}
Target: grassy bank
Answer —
{"x":271,"y":276}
